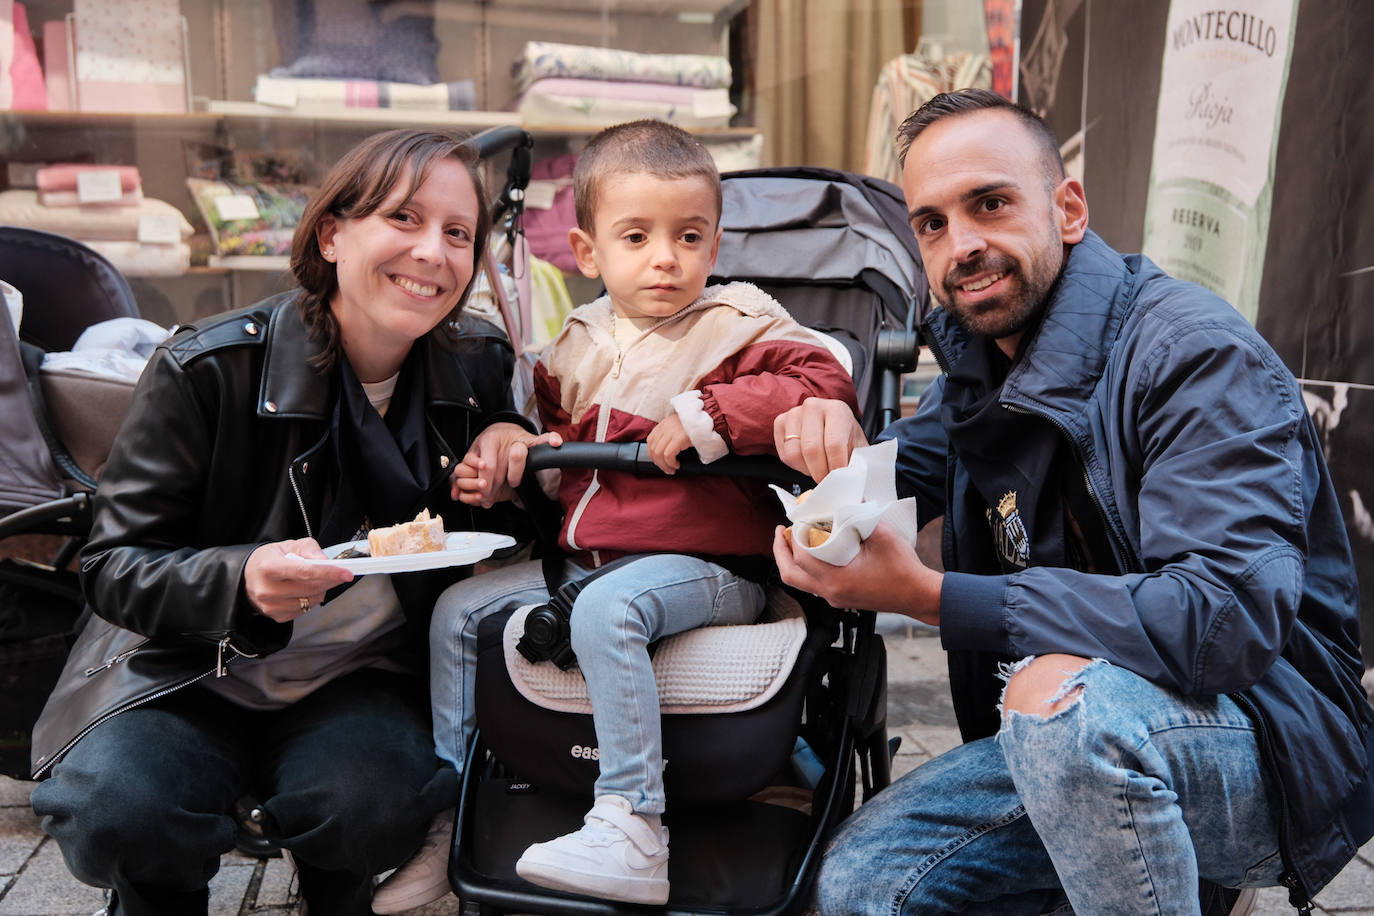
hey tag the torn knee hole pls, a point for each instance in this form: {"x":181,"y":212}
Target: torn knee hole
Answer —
{"x":1042,"y":688}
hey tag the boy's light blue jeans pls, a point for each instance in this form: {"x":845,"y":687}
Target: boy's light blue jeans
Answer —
{"x":614,"y":619}
{"x":1121,"y":801}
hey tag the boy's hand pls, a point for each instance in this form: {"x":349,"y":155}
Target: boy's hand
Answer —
{"x":495,"y":464}
{"x":666,"y":442}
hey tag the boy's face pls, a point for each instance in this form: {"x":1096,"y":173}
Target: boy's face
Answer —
{"x":653,"y":243}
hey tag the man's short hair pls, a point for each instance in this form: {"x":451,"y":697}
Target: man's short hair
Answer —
{"x":967,"y":101}
{"x":638,"y":147}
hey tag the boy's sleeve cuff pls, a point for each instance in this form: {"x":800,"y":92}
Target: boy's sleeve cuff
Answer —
{"x":699,"y":426}
{"x":972,"y":611}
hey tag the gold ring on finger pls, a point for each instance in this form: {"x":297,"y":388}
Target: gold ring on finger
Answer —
{"x":305,"y":604}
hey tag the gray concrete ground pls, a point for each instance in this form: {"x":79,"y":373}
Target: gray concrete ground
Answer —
{"x":34,"y":881}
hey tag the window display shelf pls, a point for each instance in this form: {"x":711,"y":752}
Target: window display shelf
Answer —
{"x":391,"y":117}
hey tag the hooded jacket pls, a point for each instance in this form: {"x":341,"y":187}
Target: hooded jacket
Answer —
{"x":1236,"y":574}
{"x":728,"y":364}
{"x":227,"y":447}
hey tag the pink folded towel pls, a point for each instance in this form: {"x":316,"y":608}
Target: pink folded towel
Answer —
{"x":62,"y":176}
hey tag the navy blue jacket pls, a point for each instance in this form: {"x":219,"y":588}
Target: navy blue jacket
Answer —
{"x":1208,"y":473}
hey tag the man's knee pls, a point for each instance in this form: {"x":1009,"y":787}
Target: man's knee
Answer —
{"x":1041,"y":686}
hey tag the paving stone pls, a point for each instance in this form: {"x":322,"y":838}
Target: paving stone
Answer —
{"x":14,"y":792}
{"x":278,"y":881}
{"x":228,"y":886}
{"x":46,"y":887}
{"x":19,"y":836}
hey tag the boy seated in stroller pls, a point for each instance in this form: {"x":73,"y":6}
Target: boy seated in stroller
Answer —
{"x":658,"y":358}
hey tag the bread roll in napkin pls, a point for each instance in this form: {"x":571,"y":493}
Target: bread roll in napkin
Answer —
{"x":852,"y":500}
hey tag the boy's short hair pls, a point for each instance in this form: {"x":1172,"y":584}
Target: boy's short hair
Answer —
{"x":638,"y":147}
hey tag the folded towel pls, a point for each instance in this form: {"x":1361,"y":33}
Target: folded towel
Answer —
{"x":63,"y":176}
{"x":545,"y":59}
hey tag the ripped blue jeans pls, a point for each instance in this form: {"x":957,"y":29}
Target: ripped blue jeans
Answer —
{"x":1117,"y":803}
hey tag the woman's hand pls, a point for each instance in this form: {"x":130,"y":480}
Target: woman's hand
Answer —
{"x":495,"y":464}
{"x":817,"y":436}
{"x":666,"y":441}
{"x":282,"y":586}
{"x":885,"y":576}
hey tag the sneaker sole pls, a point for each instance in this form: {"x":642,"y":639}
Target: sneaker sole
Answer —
{"x":624,"y":889}
{"x":388,"y":903}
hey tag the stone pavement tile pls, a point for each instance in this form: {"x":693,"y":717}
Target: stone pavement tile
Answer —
{"x":1272,"y":901}
{"x":229,"y":885}
{"x":46,"y":887}
{"x":1352,"y":891}
{"x":19,"y":835}
{"x":278,"y":882}
{"x":14,"y":792}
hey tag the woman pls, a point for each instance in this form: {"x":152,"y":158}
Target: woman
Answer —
{"x":218,"y":661}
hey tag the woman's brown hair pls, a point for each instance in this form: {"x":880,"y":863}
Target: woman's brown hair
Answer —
{"x":356,"y":187}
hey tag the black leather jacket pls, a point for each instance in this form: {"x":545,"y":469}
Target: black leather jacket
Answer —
{"x":226,"y":448}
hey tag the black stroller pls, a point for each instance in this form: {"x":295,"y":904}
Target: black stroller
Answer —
{"x":751,"y":793}
{"x":58,"y":428}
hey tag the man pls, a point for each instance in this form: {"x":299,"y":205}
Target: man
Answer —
{"x":1140,"y":537}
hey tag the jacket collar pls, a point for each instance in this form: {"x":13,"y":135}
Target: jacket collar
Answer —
{"x":1068,"y":351}
{"x":286,"y":391}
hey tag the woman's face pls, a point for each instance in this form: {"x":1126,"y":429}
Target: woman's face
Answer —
{"x":403,"y":267}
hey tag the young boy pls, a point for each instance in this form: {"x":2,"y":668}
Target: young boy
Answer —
{"x":655,"y":359}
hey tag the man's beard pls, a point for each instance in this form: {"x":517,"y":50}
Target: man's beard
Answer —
{"x":1011,"y":313}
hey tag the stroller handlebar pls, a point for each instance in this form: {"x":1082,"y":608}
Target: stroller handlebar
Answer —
{"x":499,"y":139}
{"x":634,"y":458}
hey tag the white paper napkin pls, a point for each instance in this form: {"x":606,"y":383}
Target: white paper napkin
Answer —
{"x":853,"y":500}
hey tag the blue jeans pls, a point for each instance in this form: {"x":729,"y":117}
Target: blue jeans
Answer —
{"x":1120,"y":802}
{"x":613,"y":621}
{"x":144,"y":804}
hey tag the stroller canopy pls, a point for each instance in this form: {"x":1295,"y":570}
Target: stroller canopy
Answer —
{"x":824,"y":227}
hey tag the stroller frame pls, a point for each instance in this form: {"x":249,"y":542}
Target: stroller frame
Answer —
{"x":854,"y":715}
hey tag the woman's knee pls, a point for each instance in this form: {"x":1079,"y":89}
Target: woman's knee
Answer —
{"x":97,"y":815}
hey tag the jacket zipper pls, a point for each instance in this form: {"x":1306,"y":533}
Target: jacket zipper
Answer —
{"x":1297,"y":894}
{"x":300,"y":501}
{"x":603,"y":423}
{"x":220,"y":670}
{"x":114,"y":659}
{"x":1124,"y":555}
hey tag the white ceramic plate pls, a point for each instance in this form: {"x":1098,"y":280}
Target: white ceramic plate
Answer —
{"x":461,"y":548}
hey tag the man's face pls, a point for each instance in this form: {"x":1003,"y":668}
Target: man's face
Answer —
{"x":990,"y":221}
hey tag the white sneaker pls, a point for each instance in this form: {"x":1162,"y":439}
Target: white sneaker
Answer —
{"x":424,"y":878}
{"x":616,"y":855}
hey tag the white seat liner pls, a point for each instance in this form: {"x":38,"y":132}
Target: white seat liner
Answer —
{"x":707,"y":670}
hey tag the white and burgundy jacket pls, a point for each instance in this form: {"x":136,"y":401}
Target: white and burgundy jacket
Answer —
{"x":729,"y":363}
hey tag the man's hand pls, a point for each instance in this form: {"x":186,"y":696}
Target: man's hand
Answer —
{"x":885,"y":576}
{"x":666,"y":441}
{"x":281,"y":585}
{"x":817,"y":436}
{"x":495,"y":464}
